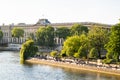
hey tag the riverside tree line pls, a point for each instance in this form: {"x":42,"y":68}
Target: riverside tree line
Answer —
{"x":79,"y":42}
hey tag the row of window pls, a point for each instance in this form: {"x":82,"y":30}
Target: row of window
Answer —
{"x":6,"y":34}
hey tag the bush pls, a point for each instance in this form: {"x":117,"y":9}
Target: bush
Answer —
{"x":76,"y":55}
{"x":118,"y":63}
{"x":63,"y":55}
{"x":109,"y":55}
{"x":53,"y":53}
{"x":108,"y":61}
{"x":93,"y":53}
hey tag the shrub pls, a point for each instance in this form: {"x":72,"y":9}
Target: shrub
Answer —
{"x":53,"y":53}
{"x":108,"y":61}
{"x":63,"y":55}
{"x":76,"y":55}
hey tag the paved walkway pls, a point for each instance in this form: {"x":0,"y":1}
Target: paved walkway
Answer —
{"x":112,"y":71}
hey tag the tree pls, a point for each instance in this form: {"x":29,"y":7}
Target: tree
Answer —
{"x":17,"y":32}
{"x":62,"y":32}
{"x":1,"y":34}
{"x":49,"y":38}
{"x":76,"y":46}
{"x":77,"y":55}
{"x":98,"y":37}
{"x":45,"y":36}
{"x":27,"y":50}
{"x":83,"y":48}
{"x":32,"y":36}
{"x":82,"y":52}
{"x":113,"y":46}
{"x":40,"y":35}
{"x":93,"y":53}
{"x":78,"y":29}
{"x":71,"y":46}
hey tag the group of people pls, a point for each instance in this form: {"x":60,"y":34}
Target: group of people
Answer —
{"x":78,"y":62}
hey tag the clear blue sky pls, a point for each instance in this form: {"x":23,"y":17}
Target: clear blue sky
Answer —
{"x":29,"y":11}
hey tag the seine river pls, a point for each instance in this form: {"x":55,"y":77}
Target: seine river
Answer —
{"x":11,"y":69}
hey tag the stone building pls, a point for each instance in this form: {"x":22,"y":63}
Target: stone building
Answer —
{"x":32,"y":28}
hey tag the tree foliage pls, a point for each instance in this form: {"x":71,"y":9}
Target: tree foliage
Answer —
{"x":28,"y":49}
{"x":17,"y":32}
{"x":45,"y":36}
{"x":62,"y":32}
{"x":32,"y":36}
{"x":93,"y":53}
{"x":75,"y":46}
{"x":82,"y":52}
{"x":77,"y":55}
{"x":71,"y":45}
{"x":53,"y":53}
{"x":40,"y":35}
{"x":1,"y":34}
{"x":83,"y":49}
{"x":78,"y":29}
{"x":49,"y":36}
{"x":113,"y":46}
{"x":98,"y":37}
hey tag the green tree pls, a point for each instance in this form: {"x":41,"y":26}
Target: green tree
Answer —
{"x":17,"y":32}
{"x":93,"y":53}
{"x":40,"y":35}
{"x":45,"y":36}
{"x":113,"y":46}
{"x":49,"y":37}
{"x":62,"y":32}
{"x":76,"y":46}
{"x":82,"y":52}
{"x":77,"y":55}
{"x":27,"y":50}
{"x":32,"y":36}
{"x":78,"y":29}
{"x":1,"y":34}
{"x":71,"y":46}
{"x":83,"y":49}
{"x":98,"y":37}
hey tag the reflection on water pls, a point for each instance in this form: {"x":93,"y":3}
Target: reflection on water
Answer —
{"x":11,"y":69}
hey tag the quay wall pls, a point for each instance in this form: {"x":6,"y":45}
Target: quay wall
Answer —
{"x":112,"y":71}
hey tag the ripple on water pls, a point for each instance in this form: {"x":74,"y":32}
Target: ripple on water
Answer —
{"x":11,"y":69}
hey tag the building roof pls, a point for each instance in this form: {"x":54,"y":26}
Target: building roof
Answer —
{"x":43,"y":22}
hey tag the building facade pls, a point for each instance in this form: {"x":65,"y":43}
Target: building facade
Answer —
{"x":32,"y":28}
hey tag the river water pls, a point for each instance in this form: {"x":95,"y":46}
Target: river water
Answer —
{"x":11,"y":69}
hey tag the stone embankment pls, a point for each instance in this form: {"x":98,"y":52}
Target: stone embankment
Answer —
{"x":9,"y":49}
{"x":108,"y":70}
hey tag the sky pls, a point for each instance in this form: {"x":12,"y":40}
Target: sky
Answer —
{"x":59,"y":11}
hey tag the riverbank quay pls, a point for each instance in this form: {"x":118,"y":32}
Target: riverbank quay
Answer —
{"x":9,"y":49}
{"x":112,"y":71}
